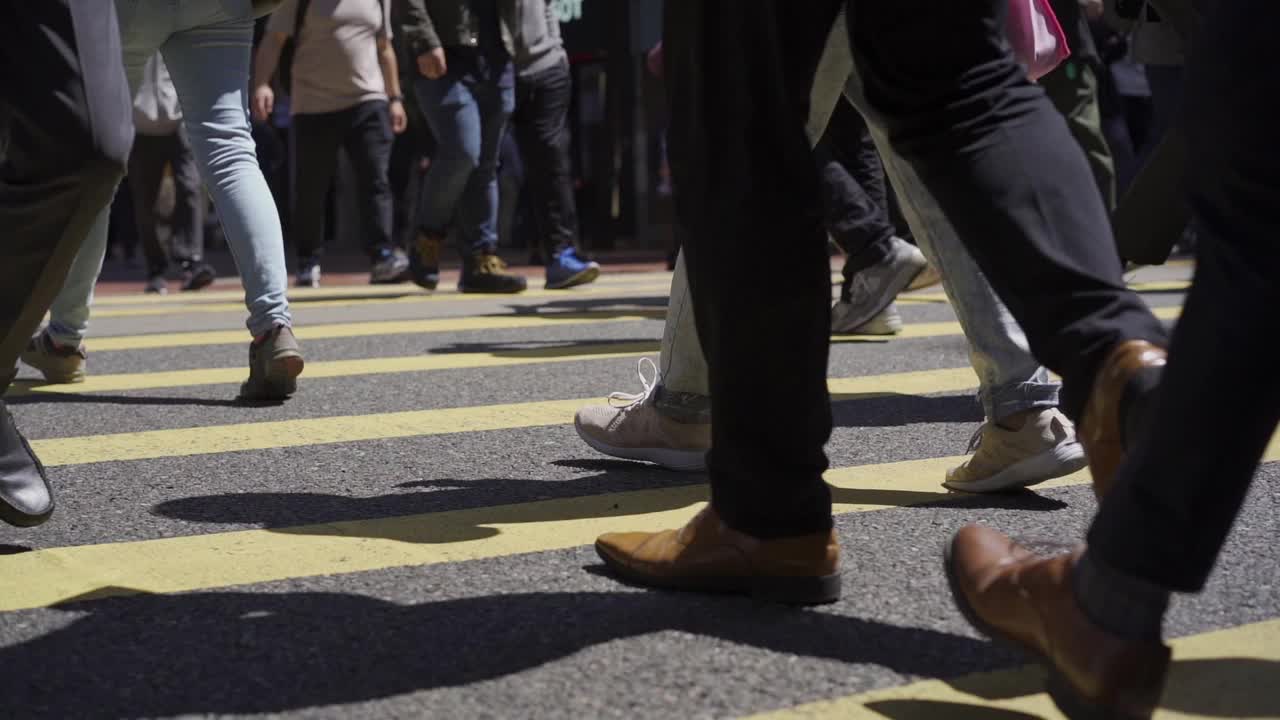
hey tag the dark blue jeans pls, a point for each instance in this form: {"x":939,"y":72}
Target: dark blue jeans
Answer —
{"x":467,"y":110}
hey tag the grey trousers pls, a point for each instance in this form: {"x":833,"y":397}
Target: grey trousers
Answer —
{"x":68,"y":121}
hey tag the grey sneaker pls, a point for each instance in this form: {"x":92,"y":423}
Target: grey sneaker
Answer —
{"x":635,"y":430}
{"x":392,"y":266}
{"x":275,"y":362}
{"x":885,"y":322}
{"x":1045,"y":448}
{"x":874,"y":288}
{"x":58,"y":364}
{"x":26,"y":498}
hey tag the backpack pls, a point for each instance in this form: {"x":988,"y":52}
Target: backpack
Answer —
{"x":284,"y":69}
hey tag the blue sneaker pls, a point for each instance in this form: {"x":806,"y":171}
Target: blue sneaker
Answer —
{"x":567,"y":269}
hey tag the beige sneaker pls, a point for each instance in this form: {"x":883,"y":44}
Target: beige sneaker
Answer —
{"x":57,"y":364}
{"x":928,"y":277}
{"x":636,"y":431}
{"x":1045,"y":448}
{"x":275,"y":362}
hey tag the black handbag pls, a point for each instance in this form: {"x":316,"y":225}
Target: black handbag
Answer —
{"x":284,"y":69}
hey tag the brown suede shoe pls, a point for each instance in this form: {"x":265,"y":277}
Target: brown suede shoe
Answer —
{"x":708,"y":556}
{"x":1009,"y":593}
{"x":1100,"y":429}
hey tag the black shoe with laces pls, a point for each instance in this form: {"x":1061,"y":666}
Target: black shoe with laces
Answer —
{"x":487,"y":273}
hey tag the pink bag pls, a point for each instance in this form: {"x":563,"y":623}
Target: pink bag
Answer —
{"x":1036,"y":37}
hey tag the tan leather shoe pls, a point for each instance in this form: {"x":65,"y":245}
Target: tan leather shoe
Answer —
{"x":706,"y":555}
{"x":1101,"y":428}
{"x":1009,"y":593}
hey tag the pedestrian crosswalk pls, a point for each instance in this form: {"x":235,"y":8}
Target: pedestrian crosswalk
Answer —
{"x":350,"y":532}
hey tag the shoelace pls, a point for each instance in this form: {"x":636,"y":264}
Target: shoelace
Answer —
{"x":631,"y":400}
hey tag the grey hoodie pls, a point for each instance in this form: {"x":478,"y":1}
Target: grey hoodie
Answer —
{"x":537,"y":37}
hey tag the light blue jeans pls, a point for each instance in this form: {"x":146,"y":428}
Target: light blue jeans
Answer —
{"x":1009,"y":378}
{"x":206,"y":45}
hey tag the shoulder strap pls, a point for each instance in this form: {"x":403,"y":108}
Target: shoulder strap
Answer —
{"x":299,"y":17}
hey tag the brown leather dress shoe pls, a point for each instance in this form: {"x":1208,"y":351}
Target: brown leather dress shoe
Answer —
{"x":707,"y":556}
{"x":1009,"y":593}
{"x":1101,"y":428}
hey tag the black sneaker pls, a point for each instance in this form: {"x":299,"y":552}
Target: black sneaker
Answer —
{"x":424,"y":261}
{"x":156,"y":285}
{"x":198,"y":276}
{"x":26,"y":498}
{"x":275,"y":362}
{"x":486,"y":273}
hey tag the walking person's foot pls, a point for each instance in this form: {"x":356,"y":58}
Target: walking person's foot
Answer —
{"x":26,"y":498}
{"x":566,"y":270}
{"x":634,"y":429}
{"x":58,"y":363}
{"x":275,"y":362}
{"x":156,"y":285}
{"x":1032,"y":602}
{"x":1025,"y":449}
{"x":390,"y":265}
{"x":308,"y":274}
{"x":198,"y":276}
{"x":874,"y":288}
{"x":487,"y":273}
{"x":1105,"y":421}
{"x":424,"y":261}
{"x":708,"y":556}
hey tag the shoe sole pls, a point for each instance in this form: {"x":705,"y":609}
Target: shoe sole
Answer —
{"x":487,"y":291}
{"x":1058,"y":462}
{"x":677,"y":460}
{"x":1064,"y":695}
{"x":895,"y":287}
{"x":803,"y":591}
{"x":586,"y":276}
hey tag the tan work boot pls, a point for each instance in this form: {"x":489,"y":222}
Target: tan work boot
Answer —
{"x":275,"y":362}
{"x":1044,"y":448}
{"x":708,"y":556}
{"x":59,"y":364}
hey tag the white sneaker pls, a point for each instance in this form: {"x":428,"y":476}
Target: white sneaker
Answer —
{"x":637,"y":431}
{"x":1045,"y":448}
{"x":874,"y":288}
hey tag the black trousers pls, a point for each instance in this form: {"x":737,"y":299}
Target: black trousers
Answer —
{"x":855,"y":196}
{"x":541,"y":128}
{"x":985,"y":141}
{"x":147,"y":161}
{"x":1184,"y":482}
{"x":364,"y":130}
{"x":67,"y":112}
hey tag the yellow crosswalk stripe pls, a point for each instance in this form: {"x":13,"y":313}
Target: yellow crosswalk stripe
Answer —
{"x":46,"y":577}
{"x":166,"y":565}
{"x":346,"y":368}
{"x":331,"y":331}
{"x":365,"y":302}
{"x":239,"y":437}
{"x":1227,"y":673}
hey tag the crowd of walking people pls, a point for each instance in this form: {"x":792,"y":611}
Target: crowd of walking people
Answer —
{"x":907,"y":133}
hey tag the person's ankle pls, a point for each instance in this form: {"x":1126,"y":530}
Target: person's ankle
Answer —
{"x":1121,"y":604}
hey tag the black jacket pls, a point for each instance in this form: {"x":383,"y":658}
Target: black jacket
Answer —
{"x":430,"y":24}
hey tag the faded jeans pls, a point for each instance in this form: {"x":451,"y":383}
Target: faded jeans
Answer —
{"x":206,"y":45}
{"x":1010,"y":379}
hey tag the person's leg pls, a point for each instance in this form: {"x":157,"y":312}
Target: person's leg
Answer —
{"x":186,"y":242}
{"x":1001,"y":164}
{"x":454,"y":117}
{"x":315,"y":139}
{"x":368,"y":139}
{"x":69,"y":312}
{"x":69,"y":121}
{"x":1186,"y":478}
{"x":210,"y":69}
{"x":493,"y":87}
{"x":1073,"y":90}
{"x":146,"y":170}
